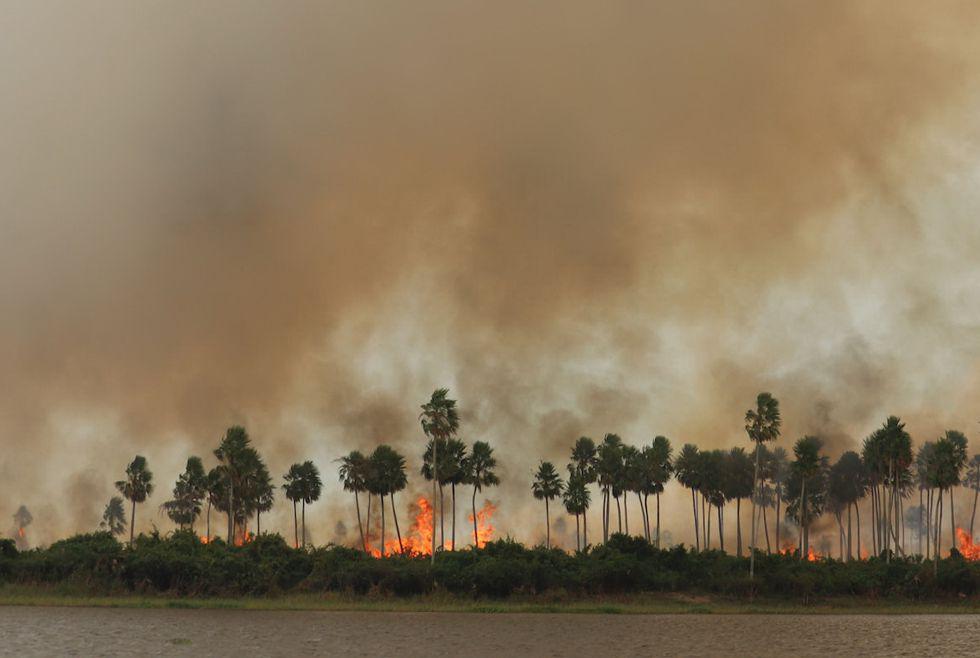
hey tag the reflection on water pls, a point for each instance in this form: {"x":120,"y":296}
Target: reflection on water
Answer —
{"x":101,"y":631}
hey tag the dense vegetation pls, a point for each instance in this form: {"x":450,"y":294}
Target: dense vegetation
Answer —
{"x":180,"y":565}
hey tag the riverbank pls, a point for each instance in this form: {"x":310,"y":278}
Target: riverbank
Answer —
{"x":19,"y":595}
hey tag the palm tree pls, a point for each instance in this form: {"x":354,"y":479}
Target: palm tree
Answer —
{"x":631,"y":480}
{"x":738,"y":485}
{"x":440,"y":421}
{"x":948,"y":459}
{"x":386,"y":476}
{"x":896,"y":451}
{"x":687,"y":467}
{"x":775,"y":469}
{"x":265,"y":495}
{"x":232,"y":453}
{"x":137,"y":487}
{"x":311,"y":488}
{"x":807,"y":486}
{"x":479,"y":472}
{"x":454,"y":473}
{"x":585,"y":461}
{"x":188,"y":492}
{"x":576,"y":499}
{"x":609,"y":471}
{"x":547,"y":486}
{"x":762,"y":424}
{"x":712,"y":464}
{"x":215,"y":489}
{"x":293,"y":488}
{"x":924,"y":464}
{"x":972,"y":480}
{"x":847,"y":485}
{"x":662,"y":468}
{"x":353,"y":472}
{"x":114,"y":516}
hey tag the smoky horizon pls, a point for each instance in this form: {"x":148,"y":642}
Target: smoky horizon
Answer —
{"x":305,"y":217}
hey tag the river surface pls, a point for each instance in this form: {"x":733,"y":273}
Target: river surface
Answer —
{"x":38,"y":631}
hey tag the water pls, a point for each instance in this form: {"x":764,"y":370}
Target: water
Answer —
{"x":29,"y":631}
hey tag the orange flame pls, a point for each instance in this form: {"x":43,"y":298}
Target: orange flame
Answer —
{"x":20,"y":532}
{"x":418,"y":539}
{"x":967,"y":548}
{"x":205,"y":540}
{"x":811,"y":555}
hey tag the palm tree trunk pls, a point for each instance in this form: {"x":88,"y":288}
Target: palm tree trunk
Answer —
{"x":476,"y":536}
{"x":765,"y":527}
{"x":547,"y":524}
{"x":442,"y":516}
{"x":258,"y":522}
{"x":605,"y":516}
{"x":626,"y":509}
{"x":952,"y":521}
{"x":360,"y":526}
{"x":738,"y":525}
{"x":295,"y":527}
{"x":805,"y":546}
{"x":619,"y":516}
{"x":132,"y":524}
{"x":857,"y":513}
{"x":367,"y":519}
{"x":435,"y":480}
{"x":585,"y":528}
{"x":755,"y":494}
{"x":209,"y":520}
{"x":304,"y":522}
{"x":721,"y":528}
{"x":454,"y":515}
{"x":382,"y":499}
{"x":920,"y":522}
{"x":231,"y":511}
{"x":779,"y":521}
{"x":578,"y":537}
{"x":398,"y":531}
{"x":707,"y":537}
{"x":973,"y":516}
{"x":929,"y":541}
{"x":658,"y":519}
{"x":697,"y":531}
{"x":849,"y":545}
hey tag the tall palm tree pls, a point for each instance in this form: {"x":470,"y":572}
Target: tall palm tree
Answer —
{"x":479,"y":472}
{"x":585,"y":461}
{"x":775,"y":469}
{"x":687,"y":467}
{"x":609,"y":471}
{"x":454,"y":472}
{"x":576,"y":499}
{"x":387,"y":475}
{"x":547,"y":486}
{"x":660,"y":457}
{"x":311,"y":488}
{"x":215,"y":489}
{"x":631,"y":480}
{"x":762,"y":424}
{"x":896,"y":450}
{"x":293,"y":488}
{"x":808,"y":486}
{"x":265,"y":495}
{"x":738,"y":485}
{"x":847,"y":485}
{"x":114,"y":516}
{"x":188,"y":493}
{"x":353,"y":472}
{"x":136,"y":488}
{"x":948,"y":460}
{"x":440,"y":421}
{"x":924,"y":465}
{"x":232,"y":454}
{"x":972,"y":480}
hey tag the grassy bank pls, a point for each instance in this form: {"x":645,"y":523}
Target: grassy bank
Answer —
{"x":626,"y":575}
{"x":19,"y":595}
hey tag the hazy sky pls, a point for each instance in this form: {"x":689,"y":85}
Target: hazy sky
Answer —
{"x":581,"y":217}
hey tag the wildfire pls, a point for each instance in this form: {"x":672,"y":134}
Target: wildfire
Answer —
{"x":205,"y":540}
{"x":967,"y":548}
{"x":418,"y":539}
{"x":20,"y":532}
{"x":811,"y":555}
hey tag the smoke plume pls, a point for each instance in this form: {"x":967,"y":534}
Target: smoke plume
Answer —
{"x":581,"y":217}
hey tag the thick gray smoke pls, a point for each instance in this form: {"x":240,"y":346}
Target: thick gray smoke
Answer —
{"x":582,"y":217}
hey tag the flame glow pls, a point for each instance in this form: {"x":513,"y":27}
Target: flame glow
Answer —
{"x":20,"y":532}
{"x":418,"y":539}
{"x":790,"y":549}
{"x":966,"y":547}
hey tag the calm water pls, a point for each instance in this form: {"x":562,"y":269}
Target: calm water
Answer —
{"x":118,"y":632}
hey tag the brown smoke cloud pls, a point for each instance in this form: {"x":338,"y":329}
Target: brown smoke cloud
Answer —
{"x":584,"y":217}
